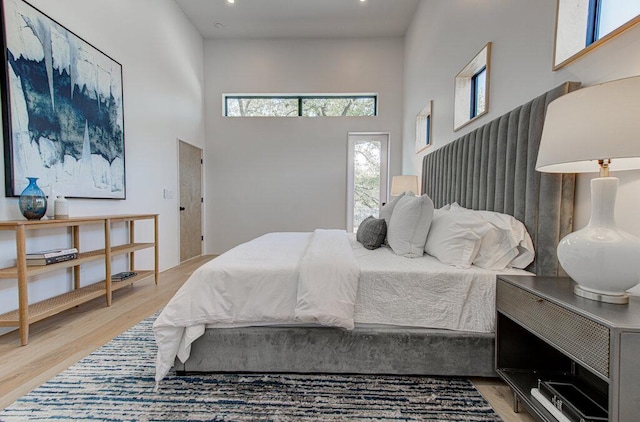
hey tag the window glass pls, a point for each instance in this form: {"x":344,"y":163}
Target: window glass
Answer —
{"x":261,"y":106}
{"x":614,"y":13}
{"x":423,"y":128}
{"x":478,"y":90}
{"x":367,"y":177}
{"x":299,"y":105}
{"x":338,"y":106}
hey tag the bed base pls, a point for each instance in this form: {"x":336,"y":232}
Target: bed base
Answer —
{"x":365,"y":350}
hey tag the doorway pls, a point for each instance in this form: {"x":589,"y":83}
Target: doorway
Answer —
{"x":367,"y":176}
{"x":191,"y":200}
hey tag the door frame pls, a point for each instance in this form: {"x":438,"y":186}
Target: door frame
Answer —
{"x":202,"y":204}
{"x":384,"y":185}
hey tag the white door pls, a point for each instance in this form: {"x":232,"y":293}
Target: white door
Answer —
{"x":367,"y":176}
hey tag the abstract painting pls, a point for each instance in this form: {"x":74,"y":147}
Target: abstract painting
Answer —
{"x":62,"y":109}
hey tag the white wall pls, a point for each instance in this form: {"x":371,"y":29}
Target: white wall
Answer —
{"x":289,"y":174}
{"x":445,"y":35}
{"x":161,"y":55}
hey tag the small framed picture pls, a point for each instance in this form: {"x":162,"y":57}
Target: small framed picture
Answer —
{"x":423,"y":128}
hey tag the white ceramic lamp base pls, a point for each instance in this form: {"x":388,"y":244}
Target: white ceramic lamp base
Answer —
{"x":602,"y":259}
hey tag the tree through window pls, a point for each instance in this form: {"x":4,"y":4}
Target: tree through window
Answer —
{"x":300,"y":106}
{"x":367,"y":176}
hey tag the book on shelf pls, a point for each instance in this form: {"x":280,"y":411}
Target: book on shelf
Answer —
{"x":571,"y":401}
{"x":51,"y":260}
{"x":51,"y":253}
{"x":123,"y":275}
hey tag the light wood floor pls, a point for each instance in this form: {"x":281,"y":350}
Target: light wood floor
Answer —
{"x":59,"y":341}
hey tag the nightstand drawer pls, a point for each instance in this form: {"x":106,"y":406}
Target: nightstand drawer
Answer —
{"x":582,"y":338}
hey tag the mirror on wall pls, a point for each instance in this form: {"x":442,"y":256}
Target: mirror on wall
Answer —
{"x":471,"y":91}
{"x":583,"y":25}
{"x":423,"y":128}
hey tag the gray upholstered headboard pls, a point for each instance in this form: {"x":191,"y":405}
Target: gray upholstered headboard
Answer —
{"x":493,"y":168}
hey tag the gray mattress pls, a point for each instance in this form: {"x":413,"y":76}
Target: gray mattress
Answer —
{"x":490,"y":168}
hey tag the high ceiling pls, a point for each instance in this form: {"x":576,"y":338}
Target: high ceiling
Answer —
{"x":299,"y":18}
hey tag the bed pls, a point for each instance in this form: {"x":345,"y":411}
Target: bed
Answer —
{"x":491,"y":168}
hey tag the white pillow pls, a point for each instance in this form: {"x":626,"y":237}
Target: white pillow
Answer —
{"x":439,"y":211}
{"x":455,"y":237}
{"x":387,"y":209}
{"x":409,"y":225}
{"x":496,"y":250}
{"x":514,"y":241}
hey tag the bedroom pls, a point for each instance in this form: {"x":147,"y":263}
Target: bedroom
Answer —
{"x":173,"y":91}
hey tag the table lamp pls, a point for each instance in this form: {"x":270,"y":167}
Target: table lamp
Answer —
{"x":597,"y":129}
{"x":401,"y":184}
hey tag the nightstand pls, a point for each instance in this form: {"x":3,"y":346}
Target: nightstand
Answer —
{"x":545,"y":332}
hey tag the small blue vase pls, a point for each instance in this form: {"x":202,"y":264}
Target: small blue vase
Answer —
{"x":33,"y":202}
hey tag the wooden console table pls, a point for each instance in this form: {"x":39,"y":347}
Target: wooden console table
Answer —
{"x":29,"y":313}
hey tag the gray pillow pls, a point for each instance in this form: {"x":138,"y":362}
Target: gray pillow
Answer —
{"x":372,"y":232}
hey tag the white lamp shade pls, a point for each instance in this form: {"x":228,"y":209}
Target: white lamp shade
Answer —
{"x":401,"y":184}
{"x":590,"y":124}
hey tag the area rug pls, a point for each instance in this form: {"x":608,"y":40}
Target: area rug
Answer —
{"x":115,"y":383}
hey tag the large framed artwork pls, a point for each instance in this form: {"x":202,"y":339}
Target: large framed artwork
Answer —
{"x":62,"y":109}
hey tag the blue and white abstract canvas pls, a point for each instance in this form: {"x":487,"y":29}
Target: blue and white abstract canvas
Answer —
{"x":62,"y":107}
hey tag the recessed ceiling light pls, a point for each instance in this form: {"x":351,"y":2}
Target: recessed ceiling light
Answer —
{"x":233,"y":1}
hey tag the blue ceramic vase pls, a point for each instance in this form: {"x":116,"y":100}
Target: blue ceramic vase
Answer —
{"x":33,"y":201}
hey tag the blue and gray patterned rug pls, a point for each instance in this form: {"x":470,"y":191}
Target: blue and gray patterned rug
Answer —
{"x":115,"y":383}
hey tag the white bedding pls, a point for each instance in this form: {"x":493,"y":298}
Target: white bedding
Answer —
{"x":276,"y":278}
{"x":324,"y":277}
{"x":423,"y":292}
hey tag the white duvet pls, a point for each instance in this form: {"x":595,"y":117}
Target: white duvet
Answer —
{"x":424,"y":292}
{"x":274,"y":279}
{"x":293,"y":278}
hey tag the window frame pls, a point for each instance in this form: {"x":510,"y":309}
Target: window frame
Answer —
{"x":423,"y":128}
{"x":300,"y":99}
{"x":463,"y":93}
{"x":385,"y":163}
{"x":569,"y":44}
{"x":593,"y":22}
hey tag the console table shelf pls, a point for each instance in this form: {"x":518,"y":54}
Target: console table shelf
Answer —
{"x":29,"y":313}
{"x":54,"y":305}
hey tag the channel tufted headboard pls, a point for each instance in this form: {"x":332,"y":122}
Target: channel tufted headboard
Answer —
{"x":493,"y":168}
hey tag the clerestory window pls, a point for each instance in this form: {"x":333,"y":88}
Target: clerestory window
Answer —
{"x":300,"y":105}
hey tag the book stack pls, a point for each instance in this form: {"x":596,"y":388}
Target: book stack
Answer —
{"x":567,"y":402}
{"x":123,"y":275}
{"x":51,"y":256}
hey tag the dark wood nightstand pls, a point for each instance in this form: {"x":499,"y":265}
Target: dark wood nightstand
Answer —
{"x":544,"y":331}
